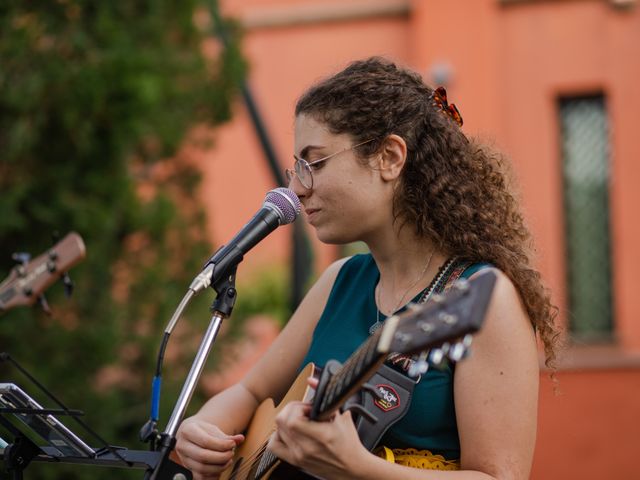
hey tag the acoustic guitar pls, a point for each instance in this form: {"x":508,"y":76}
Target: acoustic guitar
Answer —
{"x":438,"y":325}
{"x":26,"y":282}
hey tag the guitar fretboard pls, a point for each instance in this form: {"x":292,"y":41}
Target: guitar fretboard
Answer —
{"x":365,"y":358}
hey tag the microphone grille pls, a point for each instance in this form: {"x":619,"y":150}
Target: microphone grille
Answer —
{"x":286,"y":202}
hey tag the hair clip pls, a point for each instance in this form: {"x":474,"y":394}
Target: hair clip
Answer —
{"x":439,"y":97}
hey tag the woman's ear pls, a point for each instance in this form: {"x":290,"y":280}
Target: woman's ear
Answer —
{"x":393,"y":155}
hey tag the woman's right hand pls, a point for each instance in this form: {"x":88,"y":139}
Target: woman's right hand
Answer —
{"x":205,"y":449}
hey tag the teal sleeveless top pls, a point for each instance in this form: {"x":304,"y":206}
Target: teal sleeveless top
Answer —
{"x":344,"y":325}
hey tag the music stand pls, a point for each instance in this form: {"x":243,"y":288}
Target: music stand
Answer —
{"x":39,"y":435}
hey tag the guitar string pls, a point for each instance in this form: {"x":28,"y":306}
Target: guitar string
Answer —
{"x":253,"y":459}
{"x":257,"y":455}
{"x":248,"y":463}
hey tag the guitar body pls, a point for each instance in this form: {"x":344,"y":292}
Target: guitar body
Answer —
{"x":260,"y":429}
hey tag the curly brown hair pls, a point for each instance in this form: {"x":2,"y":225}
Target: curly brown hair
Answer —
{"x":453,"y":189}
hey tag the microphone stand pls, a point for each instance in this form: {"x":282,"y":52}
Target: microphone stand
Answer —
{"x":221,"y":308}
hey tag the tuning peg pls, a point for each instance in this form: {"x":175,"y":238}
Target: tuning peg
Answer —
{"x":53,"y":255}
{"x":438,"y":356}
{"x":420,"y":365}
{"x":460,"y":349}
{"x":44,"y":305}
{"x":457,"y":352}
{"x":68,"y":284}
{"x":462,"y":285}
{"x":22,"y":259}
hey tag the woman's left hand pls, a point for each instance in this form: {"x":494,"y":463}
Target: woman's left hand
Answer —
{"x":329,"y":449}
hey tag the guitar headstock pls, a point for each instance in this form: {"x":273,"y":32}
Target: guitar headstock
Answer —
{"x":26,"y":282}
{"x":446,"y":318}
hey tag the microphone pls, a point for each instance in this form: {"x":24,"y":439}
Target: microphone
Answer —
{"x":281,"y":206}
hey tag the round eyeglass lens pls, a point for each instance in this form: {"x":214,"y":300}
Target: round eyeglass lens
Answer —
{"x":303,"y":171}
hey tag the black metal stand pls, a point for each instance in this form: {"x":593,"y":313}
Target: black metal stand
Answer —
{"x":221,"y":308}
{"x":19,"y":454}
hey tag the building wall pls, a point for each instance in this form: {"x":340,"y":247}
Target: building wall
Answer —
{"x":505,"y":64}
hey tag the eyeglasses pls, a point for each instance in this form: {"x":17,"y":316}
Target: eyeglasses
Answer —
{"x":302,"y":168}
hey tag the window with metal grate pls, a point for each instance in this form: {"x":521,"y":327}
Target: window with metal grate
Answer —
{"x":586,"y":176}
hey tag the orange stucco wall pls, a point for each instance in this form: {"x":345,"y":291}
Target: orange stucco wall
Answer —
{"x":588,"y":426}
{"x":508,"y":62}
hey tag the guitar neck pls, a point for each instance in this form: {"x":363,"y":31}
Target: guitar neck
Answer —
{"x":27,"y":282}
{"x":348,"y":379}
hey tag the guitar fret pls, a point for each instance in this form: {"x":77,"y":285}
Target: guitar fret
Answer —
{"x":348,"y":376}
{"x":358,"y":363}
{"x":361,"y":365}
{"x":372,"y":346}
{"x":355,"y":360}
{"x":335,"y":383}
{"x":368,"y":356}
{"x":329,"y":393}
{"x":330,"y":396}
{"x":372,"y":355}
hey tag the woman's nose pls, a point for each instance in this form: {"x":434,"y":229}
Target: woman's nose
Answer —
{"x":300,"y":190}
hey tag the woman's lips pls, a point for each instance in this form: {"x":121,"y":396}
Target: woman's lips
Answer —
{"x":311,"y":213}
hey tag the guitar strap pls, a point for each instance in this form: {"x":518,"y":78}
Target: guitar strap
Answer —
{"x":392,"y":386}
{"x":391,"y":401}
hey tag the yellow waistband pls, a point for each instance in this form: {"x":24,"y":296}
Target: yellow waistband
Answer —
{"x":411,"y":457}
